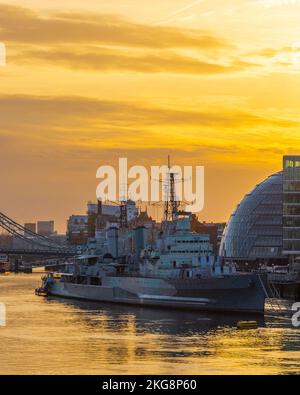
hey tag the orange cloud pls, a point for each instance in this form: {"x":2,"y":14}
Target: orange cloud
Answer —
{"x":74,"y":113}
{"x":20,"y":24}
{"x":107,"y":59}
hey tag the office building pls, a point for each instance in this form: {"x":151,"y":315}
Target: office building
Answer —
{"x":291,"y":207}
{"x":45,"y":228}
{"x":31,"y":227}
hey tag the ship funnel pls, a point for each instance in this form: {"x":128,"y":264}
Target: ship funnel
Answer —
{"x":99,"y":208}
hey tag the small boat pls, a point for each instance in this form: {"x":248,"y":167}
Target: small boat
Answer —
{"x":247,"y":325}
{"x":41,"y":291}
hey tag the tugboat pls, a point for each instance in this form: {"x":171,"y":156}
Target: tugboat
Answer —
{"x":179,"y":272}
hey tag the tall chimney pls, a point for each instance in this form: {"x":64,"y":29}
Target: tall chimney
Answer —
{"x":99,"y":207}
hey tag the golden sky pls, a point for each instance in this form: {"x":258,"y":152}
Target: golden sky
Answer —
{"x":212,"y":82}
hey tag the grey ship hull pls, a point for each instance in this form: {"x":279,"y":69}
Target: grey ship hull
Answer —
{"x":232,"y":293}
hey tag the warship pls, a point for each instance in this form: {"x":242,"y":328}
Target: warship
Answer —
{"x":178,"y":271}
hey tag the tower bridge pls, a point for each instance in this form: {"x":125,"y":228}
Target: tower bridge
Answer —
{"x":38,"y":245}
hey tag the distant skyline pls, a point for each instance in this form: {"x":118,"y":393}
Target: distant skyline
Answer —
{"x":213,"y":83}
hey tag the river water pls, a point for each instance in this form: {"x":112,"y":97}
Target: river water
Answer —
{"x":52,"y":335}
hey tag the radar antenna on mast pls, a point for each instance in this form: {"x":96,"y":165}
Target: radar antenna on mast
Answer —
{"x":171,"y":203}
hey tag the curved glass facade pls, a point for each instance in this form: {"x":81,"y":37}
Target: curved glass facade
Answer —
{"x":254,"y":230}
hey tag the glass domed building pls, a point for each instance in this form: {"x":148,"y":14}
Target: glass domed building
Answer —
{"x":254,"y":231}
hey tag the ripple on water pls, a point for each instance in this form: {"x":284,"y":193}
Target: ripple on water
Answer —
{"x":65,"y":336}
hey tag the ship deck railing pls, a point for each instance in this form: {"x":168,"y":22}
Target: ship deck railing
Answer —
{"x":284,"y":277}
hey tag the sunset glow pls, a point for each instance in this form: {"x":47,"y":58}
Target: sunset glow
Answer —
{"x":213,"y":83}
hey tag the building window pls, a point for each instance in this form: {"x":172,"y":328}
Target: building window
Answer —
{"x":289,"y":163}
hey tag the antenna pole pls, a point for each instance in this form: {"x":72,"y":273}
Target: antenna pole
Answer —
{"x":171,"y":204}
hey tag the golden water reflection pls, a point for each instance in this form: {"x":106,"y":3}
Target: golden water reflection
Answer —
{"x":66,"y":336}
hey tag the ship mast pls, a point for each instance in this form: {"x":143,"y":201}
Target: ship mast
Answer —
{"x":171,"y":203}
{"x":123,"y":214}
{"x":123,"y":207}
